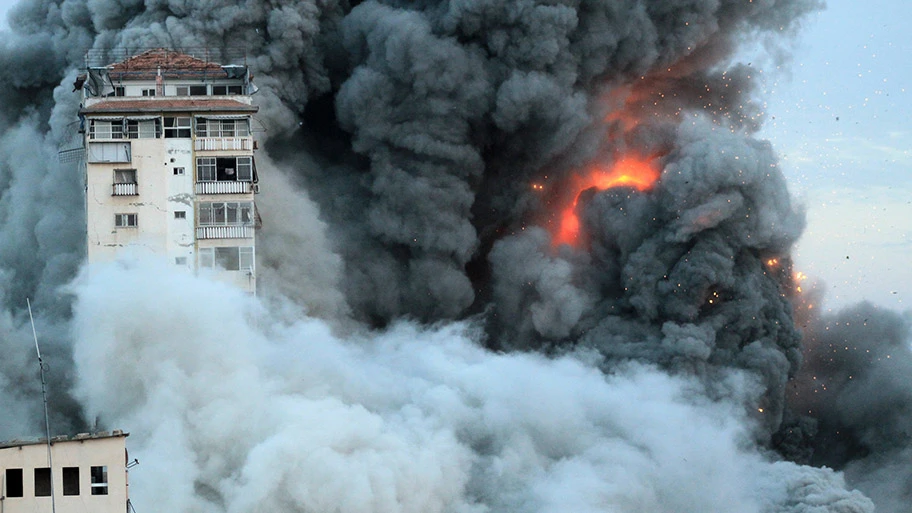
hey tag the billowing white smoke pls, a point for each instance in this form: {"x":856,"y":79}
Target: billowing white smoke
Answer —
{"x":234,"y":407}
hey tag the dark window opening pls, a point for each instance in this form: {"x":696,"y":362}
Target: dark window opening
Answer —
{"x":223,"y":90}
{"x":99,"y":480}
{"x":177,"y":128}
{"x":42,"y":482}
{"x":224,"y":169}
{"x":71,"y":480}
{"x":14,"y":482}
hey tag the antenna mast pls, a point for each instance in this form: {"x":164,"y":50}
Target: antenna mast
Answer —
{"x":47,"y":422}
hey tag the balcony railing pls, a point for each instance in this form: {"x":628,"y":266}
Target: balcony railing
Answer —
{"x":223,"y":143}
{"x":124,"y":189}
{"x":224,"y":232}
{"x":225,"y":187}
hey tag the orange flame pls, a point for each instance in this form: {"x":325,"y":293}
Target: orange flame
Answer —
{"x":634,"y":172}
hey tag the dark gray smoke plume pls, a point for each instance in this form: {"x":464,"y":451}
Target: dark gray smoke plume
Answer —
{"x":646,"y":367}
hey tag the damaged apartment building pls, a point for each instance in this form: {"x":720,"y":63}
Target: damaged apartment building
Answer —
{"x":169,"y":167}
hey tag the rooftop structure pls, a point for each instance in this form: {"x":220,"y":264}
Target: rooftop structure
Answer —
{"x":87,"y":472}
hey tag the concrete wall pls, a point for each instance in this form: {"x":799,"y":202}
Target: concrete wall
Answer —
{"x":83,"y":454}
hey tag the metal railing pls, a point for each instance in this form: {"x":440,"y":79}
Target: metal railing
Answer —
{"x":105,"y":56}
{"x":225,"y":232}
{"x":124,"y":189}
{"x":226,"y":187}
{"x":223,"y":143}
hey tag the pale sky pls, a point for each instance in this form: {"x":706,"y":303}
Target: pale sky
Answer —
{"x":839,"y":115}
{"x":840,"y":120}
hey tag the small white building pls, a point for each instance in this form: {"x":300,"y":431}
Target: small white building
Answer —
{"x":89,"y":474}
{"x":169,"y":163}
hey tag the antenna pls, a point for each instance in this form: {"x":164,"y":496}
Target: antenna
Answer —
{"x":47,"y":422}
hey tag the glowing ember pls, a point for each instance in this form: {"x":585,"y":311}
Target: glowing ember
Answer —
{"x":638,"y":173}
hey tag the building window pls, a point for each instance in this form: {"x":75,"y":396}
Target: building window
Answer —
{"x":195,"y":90}
{"x":99,"y":480}
{"x":148,"y":92}
{"x":228,"y":259}
{"x":125,"y":182}
{"x":224,"y":169}
{"x":143,"y":129}
{"x":178,"y":171}
{"x":106,"y":129}
{"x":42,"y":482}
{"x":125,"y":220}
{"x":71,"y":480}
{"x":222,"y":90}
{"x":124,"y":176}
{"x":14,"y":482}
{"x":222,"y":127}
{"x":221,"y":214}
{"x":177,"y":128}
{"x":180,"y":260}
{"x":106,"y":152}
{"x":180,"y":214}
{"x":119,"y":91}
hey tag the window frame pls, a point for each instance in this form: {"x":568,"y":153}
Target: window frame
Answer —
{"x":177,"y":127}
{"x":110,"y":152}
{"x":208,"y":127}
{"x":214,"y":257}
{"x":126,"y":220}
{"x":106,"y":129}
{"x":98,"y":475}
{"x":70,"y":479}
{"x":42,"y":481}
{"x":209,"y":169}
{"x":142,"y":128}
{"x":126,"y":175}
{"x":233,"y":213}
{"x":15,"y":482}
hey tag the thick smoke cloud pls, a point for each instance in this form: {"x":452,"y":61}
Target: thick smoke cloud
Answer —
{"x":402,"y":236}
{"x":261,"y":411}
{"x":855,"y":386}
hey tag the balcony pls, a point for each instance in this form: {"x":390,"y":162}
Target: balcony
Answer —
{"x":225,"y":232}
{"x":224,"y":187}
{"x":124,"y":189}
{"x":223,"y":143}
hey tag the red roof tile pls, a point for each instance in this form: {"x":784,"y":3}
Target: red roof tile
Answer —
{"x":171,"y":63}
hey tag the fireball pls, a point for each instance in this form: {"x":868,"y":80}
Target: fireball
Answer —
{"x":638,"y":173}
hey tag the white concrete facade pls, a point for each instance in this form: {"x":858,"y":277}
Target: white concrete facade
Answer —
{"x":169,"y":165}
{"x":89,"y":473}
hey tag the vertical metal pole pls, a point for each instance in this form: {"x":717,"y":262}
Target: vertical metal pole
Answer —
{"x":47,"y":421}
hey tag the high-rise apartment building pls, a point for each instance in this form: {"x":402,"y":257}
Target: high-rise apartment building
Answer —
{"x":169,"y":162}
